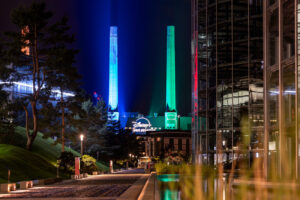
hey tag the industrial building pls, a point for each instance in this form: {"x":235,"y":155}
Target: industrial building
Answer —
{"x":153,"y":127}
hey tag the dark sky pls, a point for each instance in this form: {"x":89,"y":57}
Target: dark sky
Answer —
{"x":141,"y":42}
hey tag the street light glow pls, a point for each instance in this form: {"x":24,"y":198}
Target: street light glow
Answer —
{"x":81,"y":137}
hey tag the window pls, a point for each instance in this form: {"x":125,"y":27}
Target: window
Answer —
{"x":171,"y":143}
{"x":180,"y":144}
{"x":187,"y":146}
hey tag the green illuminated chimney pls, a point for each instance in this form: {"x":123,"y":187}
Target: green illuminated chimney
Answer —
{"x":171,"y":111}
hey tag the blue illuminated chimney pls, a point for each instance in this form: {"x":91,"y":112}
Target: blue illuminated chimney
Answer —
{"x":113,"y":72}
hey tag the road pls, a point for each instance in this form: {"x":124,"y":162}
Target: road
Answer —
{"x":108,"y":187}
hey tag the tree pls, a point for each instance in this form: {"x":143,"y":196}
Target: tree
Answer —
{"x":6,"y":125}
{"x":49,"y":119}
{"x":122,"y":144}
{"x":94,"y":118}
{"x":74,"y":117}
{"x":64,"y":76}
{"x":31,"y":52}
{"x":119,"y":142}
{"x":25,"y":50}
{"x":67,"y":162}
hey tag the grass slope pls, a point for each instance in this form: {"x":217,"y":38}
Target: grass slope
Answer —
{"x":40,"y":162}
{"x":24,"y":165}
{"x":44,"y":147}
{"x":49,"y":151}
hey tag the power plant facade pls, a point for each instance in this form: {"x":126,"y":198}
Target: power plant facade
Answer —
{"x":170,"y":120}
{"x":158,"y":134}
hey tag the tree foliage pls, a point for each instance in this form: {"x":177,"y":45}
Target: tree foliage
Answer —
{"x":63,"y":76}
{"x":67,"y":162}
{"x":39,"y":55}
{"x":88,"y":164}
{"x":6,"y":106}
{"x":94,"y":118}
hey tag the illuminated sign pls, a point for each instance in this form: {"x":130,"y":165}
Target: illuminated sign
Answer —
{"x":171,"y":120}
{"x":142,"y":125}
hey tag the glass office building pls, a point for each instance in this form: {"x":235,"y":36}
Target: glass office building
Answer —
{"x":227,"y":67}
{"x":246,"y":71}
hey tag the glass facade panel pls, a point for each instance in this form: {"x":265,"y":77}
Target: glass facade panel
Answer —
{"x":288,"y":81}
{"x":282,"y":115}
{"x":230,"y":76}
{"x":297,"y":81}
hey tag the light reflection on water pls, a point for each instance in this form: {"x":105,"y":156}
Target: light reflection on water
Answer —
{"x":170,"y":189}
{"x":169,"y":186}
{"x":170,"y":195}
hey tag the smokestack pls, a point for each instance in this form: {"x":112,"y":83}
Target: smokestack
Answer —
{"x":113,"y":72}
{"x":171,"y":111}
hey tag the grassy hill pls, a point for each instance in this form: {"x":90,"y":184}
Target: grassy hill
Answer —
{"x":23,"y":164}
{"x":39,"y":162}
{"x":44,"y":147}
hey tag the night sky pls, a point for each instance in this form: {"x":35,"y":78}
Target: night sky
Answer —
{"x":142,"y":47}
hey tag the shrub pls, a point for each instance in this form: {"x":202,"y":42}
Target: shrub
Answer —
{"x":88,"y":164}
{"x":165,"y":168}
{"x":67,"y":162}
{"x":175,"y":158}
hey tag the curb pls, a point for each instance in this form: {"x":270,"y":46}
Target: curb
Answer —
{"x":133,"y":192}
{"x":150,"y":190}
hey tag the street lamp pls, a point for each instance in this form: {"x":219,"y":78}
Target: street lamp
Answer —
{"x":81,"y":139}
{"x":57,"y":172}
{"x":130,"y":156}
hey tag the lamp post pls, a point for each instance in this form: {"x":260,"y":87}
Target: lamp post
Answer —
{"x":130,"y":158}
{"x":57,"y":172}
{"x":81,"y":140}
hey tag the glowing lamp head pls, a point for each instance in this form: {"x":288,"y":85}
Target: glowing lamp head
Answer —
{"x":81,"y":137}
{"x":224,"y":142}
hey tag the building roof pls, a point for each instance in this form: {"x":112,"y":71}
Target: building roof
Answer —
{"x":169,"y":133}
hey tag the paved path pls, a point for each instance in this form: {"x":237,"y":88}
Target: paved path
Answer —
{"x":132,"y":171}
{"x":108,"y":187}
